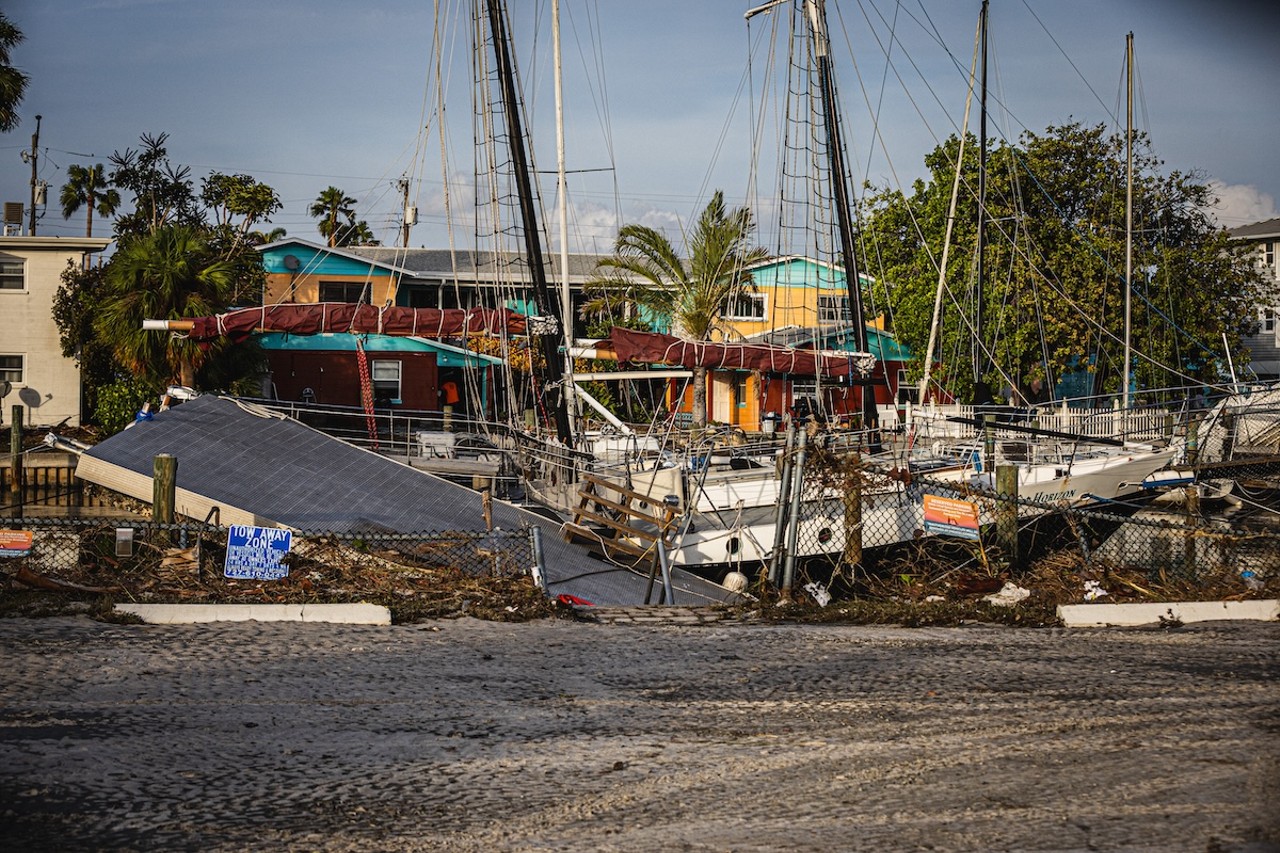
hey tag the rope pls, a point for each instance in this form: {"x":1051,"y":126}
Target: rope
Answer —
{"x":366,"y":391}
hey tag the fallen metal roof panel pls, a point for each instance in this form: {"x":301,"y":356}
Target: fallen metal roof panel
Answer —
{"x":260,"y":467}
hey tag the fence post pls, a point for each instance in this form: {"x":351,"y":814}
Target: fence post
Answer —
{"x":164,"y":487}
{"x":539,"y":561}
{"x":988,"y":442}
{"x":15,"y":462}
{"x":784,"y":503}
{"x":1193,"y":500}
{"x":853,"y":516}
{"x":1007,"y":510}
{"x":793,"y":521}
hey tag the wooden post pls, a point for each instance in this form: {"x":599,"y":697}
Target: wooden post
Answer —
{"x":1007,"y":511}
{"x":15,"y":463}
{"x":165,"y":488}
{"x":853,"y":517}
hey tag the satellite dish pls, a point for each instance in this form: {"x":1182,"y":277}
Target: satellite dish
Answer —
{"x":291,"y":263}
{"x":5,"y":387}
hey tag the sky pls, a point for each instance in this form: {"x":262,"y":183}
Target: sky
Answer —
{"x":660,"y":96}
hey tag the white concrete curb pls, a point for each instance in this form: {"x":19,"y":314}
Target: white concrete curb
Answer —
{"x":181,"y":614}
{"x":1150,"y":613}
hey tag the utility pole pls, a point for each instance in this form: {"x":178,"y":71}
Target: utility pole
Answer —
{"x":410,"y":213}
{"x":35,"y":156}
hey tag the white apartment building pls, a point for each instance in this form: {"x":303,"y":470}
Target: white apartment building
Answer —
{"x":32,"y":368}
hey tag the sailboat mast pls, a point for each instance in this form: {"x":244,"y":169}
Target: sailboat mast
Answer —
{"x":979,"y":355}
{"x":817,"y":14}
{"x":548,"y":343}
{"x":562,"y":189}
{"x":1128,"y":221}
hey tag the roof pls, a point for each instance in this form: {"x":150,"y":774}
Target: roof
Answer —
{"x":833,"y":272}
{"x":1258,"y":230}
{"x":440,"y":263}
{"x":319,"y":250}
{"x":346,"y":342}
{"x":838,"y":336}
{"x":261,"y":468}
{"x":70,"y":244}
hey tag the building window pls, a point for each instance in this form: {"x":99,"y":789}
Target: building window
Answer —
{"x":833,"y":309}
{"x":1269,"y":253}
{"x":344,"y":291}
{"x":386,"y":382}
{"x":13,"y":275}
{"x":740,"y":389}
{"x":745,"y":306}
{"x":11,"y":369}
{"x":1269,"y":320}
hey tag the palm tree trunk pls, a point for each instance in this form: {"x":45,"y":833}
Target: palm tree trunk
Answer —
{"x":699,"y":397}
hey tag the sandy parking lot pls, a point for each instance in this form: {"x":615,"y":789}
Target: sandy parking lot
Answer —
{"x":555,"y":735}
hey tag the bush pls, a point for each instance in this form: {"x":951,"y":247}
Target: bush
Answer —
{"x":119,"y":402}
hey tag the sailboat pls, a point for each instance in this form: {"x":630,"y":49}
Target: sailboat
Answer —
{"x":1052,"y":465}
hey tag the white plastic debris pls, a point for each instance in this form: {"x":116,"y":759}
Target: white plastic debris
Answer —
{"x":1093,"y":591}
{"x":1009,"y":595}
{"x":819,"y":593}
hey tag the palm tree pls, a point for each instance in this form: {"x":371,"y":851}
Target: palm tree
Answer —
{"x":356,"y":234}
{"x":13,"y":83}
{"x":88,"y":186}
{"x":261,"y":238}
{"x":331,"y":206}
{"x":167,"y":274}
{"x":646,"y":272}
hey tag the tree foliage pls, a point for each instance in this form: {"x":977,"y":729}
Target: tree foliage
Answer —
{"x":1053,"y":293}
{"x":645,"y":272}
{"x":13,"y":83}
{"x":88,"y":187}
{"x":169,"y":274}
{"x":338,"y":224}
{"x":163,"y":193}
{"x":228,"y":197}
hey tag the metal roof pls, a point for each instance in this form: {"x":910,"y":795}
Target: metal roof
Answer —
{"x":259,"y":467}
{"x":1265,"y":228}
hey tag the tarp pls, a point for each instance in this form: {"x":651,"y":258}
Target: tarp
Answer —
{"x":314,"y":318}
{"x":653,"y":348}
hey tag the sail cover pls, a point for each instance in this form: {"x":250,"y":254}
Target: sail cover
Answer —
{"x":653,"y":348}
{"x":314,"y":318}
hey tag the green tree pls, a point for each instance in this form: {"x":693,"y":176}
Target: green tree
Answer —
{"x":335,"y":210}
{"x":645,"y":272}
{"x":74,"y":307}
{"x":87,"y":187}
{"x":163,"y":193}
{"x":261,"y":238}
{"x":172,"y":273}
{"x":1053,"y":295}
{"x":356,"y":234}
{"x":230,"y":196}
{"x":13,"y":83}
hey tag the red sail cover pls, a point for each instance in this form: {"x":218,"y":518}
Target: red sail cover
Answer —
{"x":315,"y":318}
{"x":651,"y":348}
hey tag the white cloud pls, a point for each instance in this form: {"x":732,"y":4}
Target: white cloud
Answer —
{"x":1241,"y":204}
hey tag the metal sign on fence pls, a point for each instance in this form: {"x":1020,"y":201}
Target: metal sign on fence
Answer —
{"x":255,"y":553}
{"x":15,"y":543}
{"x":950,"y":517}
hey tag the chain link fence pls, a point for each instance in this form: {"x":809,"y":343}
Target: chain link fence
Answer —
{"x":145,"y":560}
{"x":854,"y":520}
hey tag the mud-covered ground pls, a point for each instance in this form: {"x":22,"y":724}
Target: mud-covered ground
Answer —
{"x":563,"y":735}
